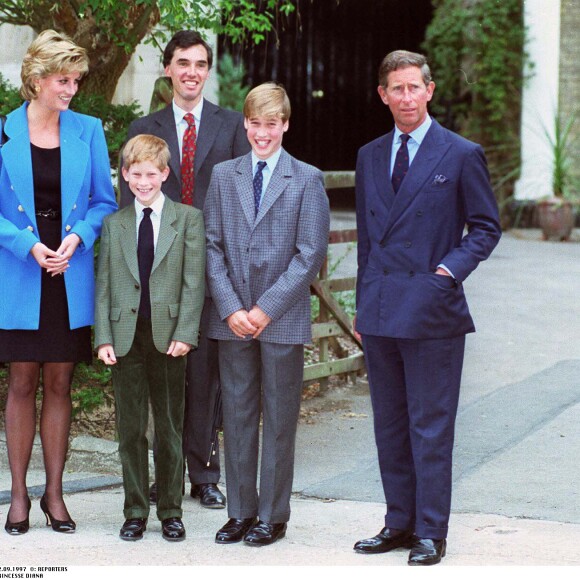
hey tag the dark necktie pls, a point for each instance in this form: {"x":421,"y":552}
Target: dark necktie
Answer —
{"x":258,"y":181}
{"x":401,"y":163}
{"x":187,"y":160}
{"x":145,"y":255}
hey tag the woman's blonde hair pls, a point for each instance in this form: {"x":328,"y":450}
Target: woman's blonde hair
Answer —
{"x":50,"y":53}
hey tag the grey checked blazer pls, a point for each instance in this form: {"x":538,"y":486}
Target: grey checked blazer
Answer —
{"x":270,"y":259}
{"x":176,"y":285}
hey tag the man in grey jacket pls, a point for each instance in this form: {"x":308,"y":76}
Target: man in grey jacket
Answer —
{"x":267,"y":223}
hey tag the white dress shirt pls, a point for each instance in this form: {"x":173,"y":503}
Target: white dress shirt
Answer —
{"x":181,"y":124}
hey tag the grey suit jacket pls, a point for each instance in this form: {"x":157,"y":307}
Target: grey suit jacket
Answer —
{"x":176,"y":285}
{"x":270,"y":259}
{"x":221,"y":137}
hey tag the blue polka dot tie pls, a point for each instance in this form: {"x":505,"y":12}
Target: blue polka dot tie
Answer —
{"x":401,"y":163}
{"x":258,"y":181}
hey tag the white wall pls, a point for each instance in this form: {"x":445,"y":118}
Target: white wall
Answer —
{"x":540,"y":98}
{"x":14,"y":41}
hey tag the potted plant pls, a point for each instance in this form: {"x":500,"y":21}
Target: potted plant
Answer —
{"x":556,"y":214}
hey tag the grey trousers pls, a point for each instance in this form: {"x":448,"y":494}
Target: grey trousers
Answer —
{"x":259,"y":376}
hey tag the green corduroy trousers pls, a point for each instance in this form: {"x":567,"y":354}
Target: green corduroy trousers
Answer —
{"x":144,"y":375}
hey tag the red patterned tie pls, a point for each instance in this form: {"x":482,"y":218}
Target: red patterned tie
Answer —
{"x":187,"y":159}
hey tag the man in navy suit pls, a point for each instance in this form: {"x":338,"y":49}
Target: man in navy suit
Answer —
{"x":417,"y":188}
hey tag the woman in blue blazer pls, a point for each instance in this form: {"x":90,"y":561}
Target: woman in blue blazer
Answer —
{"x":55,"y":190}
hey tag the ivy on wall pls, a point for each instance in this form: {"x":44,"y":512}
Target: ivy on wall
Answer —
{"x":476,"y":53}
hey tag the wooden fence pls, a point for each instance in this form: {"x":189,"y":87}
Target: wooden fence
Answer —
{"x":333,"y":321}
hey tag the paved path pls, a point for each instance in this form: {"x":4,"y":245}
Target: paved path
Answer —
{"x":516,"y":496}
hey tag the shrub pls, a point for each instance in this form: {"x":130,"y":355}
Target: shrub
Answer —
{"x":232,"y":91}
{"x":476,"y":52}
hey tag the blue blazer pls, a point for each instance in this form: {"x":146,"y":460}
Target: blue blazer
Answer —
{"x":87,"y":197}
{"x":403,"y":238}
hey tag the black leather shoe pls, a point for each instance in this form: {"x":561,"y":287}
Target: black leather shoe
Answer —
{"x":133,"y":529}
{"x":264,"y":534}
{"x":173,"y":530}
{"x":153,"y":493}
{"x":209,"y":495}
{"x":426,"y":552}
{"x":62,"y":526}
{"x":18,"y":528}
{"x":234,"y":530}
{"x":386,"y":540}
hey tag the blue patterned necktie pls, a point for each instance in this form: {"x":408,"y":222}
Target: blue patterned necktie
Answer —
{"x":401,"y":163}
{"x":258,"y":181}
{"x":145,"y":255}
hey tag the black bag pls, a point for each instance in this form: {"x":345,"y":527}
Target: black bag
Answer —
{"x":3,"y":137}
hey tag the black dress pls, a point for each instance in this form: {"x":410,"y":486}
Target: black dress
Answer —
{"x":54,"y":341}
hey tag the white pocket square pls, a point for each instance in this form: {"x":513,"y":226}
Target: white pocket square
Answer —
{"x":440,"y":179}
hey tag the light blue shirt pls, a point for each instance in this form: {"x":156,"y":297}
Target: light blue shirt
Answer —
{"x":271,"y":163}
{"x":181,"y":124}
{"x":414,"y":142}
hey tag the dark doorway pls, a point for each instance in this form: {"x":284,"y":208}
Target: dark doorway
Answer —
{"x":328,"y":60}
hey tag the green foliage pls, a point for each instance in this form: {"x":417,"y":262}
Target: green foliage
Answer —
{"x":116,"y":119}
{"x":232,"y":91}
{"x":10,"y":98}
{"x":111,"y":30}
{"x":347,"y":301}
{"x":162,"y":94}
{"x":314,"y":308}
{"x":346,"y":298}
{"x":91,"y":388}
{"x":564,"y":184}
{"x":242,"y":18}
{"x":476,"y":52}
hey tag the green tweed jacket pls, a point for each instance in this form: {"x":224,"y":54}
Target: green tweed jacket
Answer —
{"x":177,"y":282}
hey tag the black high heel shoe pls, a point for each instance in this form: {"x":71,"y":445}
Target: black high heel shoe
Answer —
{"x":18,"y":528}
{"x":63,"y":526}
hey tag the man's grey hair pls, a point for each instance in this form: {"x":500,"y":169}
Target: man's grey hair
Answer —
{"x":403,"y":59}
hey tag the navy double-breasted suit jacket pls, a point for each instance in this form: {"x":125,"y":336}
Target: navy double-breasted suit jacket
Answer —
{"x":403,"y":237}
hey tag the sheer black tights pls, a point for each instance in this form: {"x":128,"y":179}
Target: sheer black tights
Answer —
{"x":54,"y":430}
